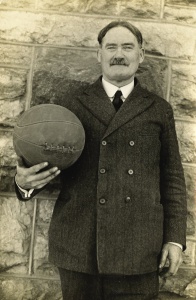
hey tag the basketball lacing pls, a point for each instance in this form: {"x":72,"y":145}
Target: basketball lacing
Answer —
{"x":61,"y":149}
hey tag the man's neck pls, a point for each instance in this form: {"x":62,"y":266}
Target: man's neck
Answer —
{"x":119,"y":84}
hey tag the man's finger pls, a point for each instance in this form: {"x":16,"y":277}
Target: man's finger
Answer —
{"x":163,"y":258}
{"x":46,"y":174}
{"x":36,"y":168}
{"x":40,"y":183}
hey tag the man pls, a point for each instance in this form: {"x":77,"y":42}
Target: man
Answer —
{"x":121,"y":212}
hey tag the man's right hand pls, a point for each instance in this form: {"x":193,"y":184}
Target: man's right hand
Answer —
{"x":29,"y":178}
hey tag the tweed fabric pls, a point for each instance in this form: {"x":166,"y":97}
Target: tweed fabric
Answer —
{"x":125,"y":196}
{"x":81,"y":286}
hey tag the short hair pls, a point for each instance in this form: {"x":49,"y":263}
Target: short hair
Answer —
{"x":134,"y":30}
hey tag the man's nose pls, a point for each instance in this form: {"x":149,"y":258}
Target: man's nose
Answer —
{"x":119,"y":52}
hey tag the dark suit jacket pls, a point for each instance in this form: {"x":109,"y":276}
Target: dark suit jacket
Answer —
{"x":125,"y":196}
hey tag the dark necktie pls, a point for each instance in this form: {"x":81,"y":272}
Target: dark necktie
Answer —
{"x":117,"y":100}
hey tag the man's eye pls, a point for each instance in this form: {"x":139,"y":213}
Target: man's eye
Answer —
{"x":111,"y":47}
{"x":127,"y":47}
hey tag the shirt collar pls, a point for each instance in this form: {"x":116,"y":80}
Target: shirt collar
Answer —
{"x":111,"y":89}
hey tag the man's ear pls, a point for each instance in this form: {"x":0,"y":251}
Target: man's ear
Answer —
{"x":99,"y":54}
{"x":142,"y":55}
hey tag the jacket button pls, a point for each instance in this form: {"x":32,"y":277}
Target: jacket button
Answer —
{"x":130,"y":172}
{"x":128,"y":199}
{"x":104,"y":143}
{"x":102,"y":171}
{"x":102,"y":201}
{"x":131,"y":143}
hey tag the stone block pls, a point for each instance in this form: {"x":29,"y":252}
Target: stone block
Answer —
{"x":7,"y":178}
{"x":7,"y":154}
{"x":178,"y":283}
{"x":43,"y":28}
{"x":163,"y":39}
{"x":17,"y":3}
{"x":190,"y":179}
{"x":191,"y":220}
{"x":170,"y":40}
{"x":29,"y":289}
{"x":15,"y":233}
{"x":12,"y":98}
{"x":187,"y":141}
{"x":79,"y":65}
{"x":190,"y":289}
{"x":45,"y":210}
{"x":15,"y":54}
{"x":179,"y":14}
{"x":104,"y":7}
{"x":181,"y":2}
{"x":189,"y":254}
{"x":152,"y":74}
{"x":59,"y":72}
{"x":140,"y":9}
{"x":12,"y":83}
{"x":183,"y":90}
{"x":41,"y":265}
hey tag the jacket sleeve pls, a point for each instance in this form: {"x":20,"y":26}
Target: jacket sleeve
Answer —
{"x":172,"y":184}
{"x":21,"y":196}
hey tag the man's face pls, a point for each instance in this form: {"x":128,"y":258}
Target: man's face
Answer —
{"x":120,"y":55}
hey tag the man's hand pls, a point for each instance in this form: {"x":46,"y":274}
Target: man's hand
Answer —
{"x":29,"y":178}
{"x":173,"y":254}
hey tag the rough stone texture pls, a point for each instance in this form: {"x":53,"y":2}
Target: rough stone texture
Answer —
{"x":179,"y":282}
{"x":13,"y":91}
{"x":152,"y":74}
{"x":179,"y":14}
{"x":191,"y":224}
{"x":40,"y":260}
{"x":105,"y":7}
{"x":45,"y":209}
{"x":7,"y":178}
{"x":15,"y":238}
{"x":17,"y":3}
{"x":181,"y":2}
{"x":75,"y":65}
{"x":167,"y":39}
{"x":10,"y":111}
{"x":29,"y":289}
{"x":190,"y":178}
{"x":15,"y":54}
{"x":12,"y":83}
{"x":57,"y":71}
{"x":189,"y":255}
{"x":187,"y":141}
{"x":183,"y":90}
{"x":7,"y":154}
{"x":190,"y":289}
{"x":140,"y":9}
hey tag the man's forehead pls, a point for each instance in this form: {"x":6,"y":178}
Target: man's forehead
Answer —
{"x":119,"y":34}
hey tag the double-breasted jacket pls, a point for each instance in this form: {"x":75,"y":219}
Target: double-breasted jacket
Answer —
{"x":125,"y":196}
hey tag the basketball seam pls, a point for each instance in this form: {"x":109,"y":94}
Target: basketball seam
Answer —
{"x":56,"y":121}
{"x":28,"y":142}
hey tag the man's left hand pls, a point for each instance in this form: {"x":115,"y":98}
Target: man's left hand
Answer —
{"x":173,"y":254}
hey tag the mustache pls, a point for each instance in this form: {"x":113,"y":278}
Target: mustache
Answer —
{"x":118,"y":61}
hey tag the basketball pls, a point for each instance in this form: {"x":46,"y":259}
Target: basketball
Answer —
{"x":49,"y":133}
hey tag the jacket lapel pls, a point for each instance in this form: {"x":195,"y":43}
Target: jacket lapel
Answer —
{"x":137,"y":102}
{"x":97,"y":102}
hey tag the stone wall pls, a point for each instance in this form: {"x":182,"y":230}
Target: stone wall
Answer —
{"x":46,"y":48}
